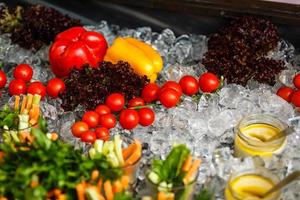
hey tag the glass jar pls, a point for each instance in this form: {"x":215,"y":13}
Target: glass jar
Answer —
{"x":251,"y":184}
{"x":253,"y":132}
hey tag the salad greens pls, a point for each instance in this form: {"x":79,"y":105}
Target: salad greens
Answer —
{"x":9,"y":118}
{"x":50,"y":164}
{"x":174,"y":176}
{"x":169,"y":170}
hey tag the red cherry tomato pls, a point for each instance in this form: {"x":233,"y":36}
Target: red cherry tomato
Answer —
{"x":102,"y":109}
{"x":136,"y":102}
{"x":146,"y":116}
{"x":17,"y":87}
{"x":115,"y":102}
{"x":172,"y":85}
{"x":23,"y":72}
{"x":55,"y":87}
{"x":3,"y":79}
{"x":150,"y":92}
{"x":296,"y":98}
{"x":285,"y":93}
{"x":91,"y":118}
{"x":129,"y":119}
{"x":37,"y":88}
{"x":102,"y":133}
{"x":189,"y":85}
{"x":108,"y":120}
{"x":169,"y":98}
{"x":208,"y":82}
{"x":296,"y":81}
{"x":88,"y":137}
{"x":78,"y":128}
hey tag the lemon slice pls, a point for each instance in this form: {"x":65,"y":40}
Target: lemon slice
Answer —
{"x":251,"y":186}
{"x":261,"y":132}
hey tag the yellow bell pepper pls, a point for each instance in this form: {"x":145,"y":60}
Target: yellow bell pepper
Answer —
{"x":142,"y":57}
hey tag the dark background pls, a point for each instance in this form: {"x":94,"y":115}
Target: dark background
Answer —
{"x":199,"y":18}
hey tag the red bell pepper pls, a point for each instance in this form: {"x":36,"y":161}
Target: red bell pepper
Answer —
{"x":76,"y":47}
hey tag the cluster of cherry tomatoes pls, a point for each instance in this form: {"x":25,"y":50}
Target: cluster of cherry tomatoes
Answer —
{"x":21,"y":83}
{"x":96,"y":124}
{"x":290,"y":94}
{"x":137,"y":111}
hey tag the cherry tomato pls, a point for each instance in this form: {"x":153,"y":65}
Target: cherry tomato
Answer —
{"x":102,"y":109}
{"x":108,"y":120}
{"x":78,"y":128}
{"x":169,"y":98}
{"x":3,"y":79}
{"x":136,"y":102}
{"x":189,"y":85}
{"x":208,"y":82}
{"x":102,"y":133}
{"x":115,"y":102}
{"x":88,"y":137}
{"x":37,"y":88}
{"x":150,"y":92}
{"x":285,"y":93}
{"x":23,"y":72}
{"x":129,"y":119}
{"x":296,"y":98}
{"x":172,"y":85}
{"x":17,"y":87}
{"x":91,"y":118}
{"x":55,"y":87}
{"x":146,"y":116}
{"x":296,"y":81}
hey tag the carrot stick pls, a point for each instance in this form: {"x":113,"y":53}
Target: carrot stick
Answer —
{"x":23,"y":106}
{"x":62,"y":197}
{"x":54,"y":136}
{"x":161,"y":196}
{"x":192,"y":171}
{"x":117,"y":186}
{"x":125,"y":181}
{"x":108,"y":190}
{"x":25,"y":136}
{"x":17,"y":102}
{"x":126,"y":152}
{"x":34,"y":114}
{"x":171,"y":196}
{"x":3,"y":198}
{"x":80,"y":189}
{"x":57,"y":192}
{"x":135,"y":155}
{"x":94,"y":175}
{"x":187,"y":163}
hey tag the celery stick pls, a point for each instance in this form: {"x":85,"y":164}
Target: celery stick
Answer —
{"x":36,"y":99}
{"x":98,"y":145}
{"x":118,"y":149}
{"x":92,"y":153}
{"x":154,"y":178}
{"x":23,"y":121}
{"x":112,"y":158}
